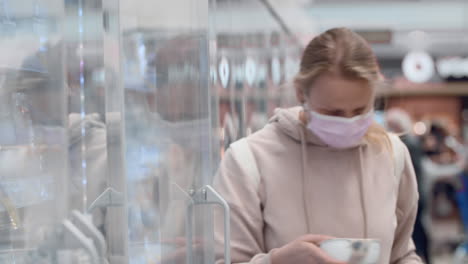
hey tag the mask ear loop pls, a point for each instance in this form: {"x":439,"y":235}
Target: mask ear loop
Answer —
{"x":306,"y":111}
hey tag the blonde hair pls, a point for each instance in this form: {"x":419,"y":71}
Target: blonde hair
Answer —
{"x":343,"y":52}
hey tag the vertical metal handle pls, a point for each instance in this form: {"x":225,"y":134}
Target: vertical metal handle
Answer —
{"x":208,"y":195}
{"x":189,"y":232}
{"x":82,"y":241}
{"x":85,"y":223}
{"x":216,"y":198}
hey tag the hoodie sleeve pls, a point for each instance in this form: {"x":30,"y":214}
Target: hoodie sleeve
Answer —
{"x":404,"y":251}
{"x":242,"y":193}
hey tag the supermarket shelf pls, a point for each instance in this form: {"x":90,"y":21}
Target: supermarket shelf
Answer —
{"x":442,"y":89}
{"x":410,"y":90}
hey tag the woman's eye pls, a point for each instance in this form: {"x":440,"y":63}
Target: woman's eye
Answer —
{"x":337,"y":113}
{"x":359,"y":111}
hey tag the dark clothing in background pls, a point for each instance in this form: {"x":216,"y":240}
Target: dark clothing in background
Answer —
{"x":419,"y":234}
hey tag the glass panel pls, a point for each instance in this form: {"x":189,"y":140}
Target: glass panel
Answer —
{"x":252,"y":67}
{"x":95,"y":104}
{"x":116,"y":227}
{"x":33,"y":128}
{"x":167,"y":127}
{"x":61,"y":128}
{"x":86,"y":105}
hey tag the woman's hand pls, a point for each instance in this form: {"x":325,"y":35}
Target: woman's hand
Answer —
{"x":304,"y":250}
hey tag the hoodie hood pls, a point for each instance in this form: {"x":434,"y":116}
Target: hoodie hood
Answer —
{"x":289,"y":123}
{"x":287,"y":120}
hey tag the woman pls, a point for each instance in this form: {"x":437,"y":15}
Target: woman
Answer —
{"x":325,"y":168}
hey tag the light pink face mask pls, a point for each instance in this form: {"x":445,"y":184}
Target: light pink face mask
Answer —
{"x":340,"y":132}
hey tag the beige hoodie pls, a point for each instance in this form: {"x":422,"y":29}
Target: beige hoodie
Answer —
{"x":306,"y":187}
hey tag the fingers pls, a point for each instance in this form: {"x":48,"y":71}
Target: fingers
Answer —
{"x":321,"y":256}
{"x":327,"y":259}
{"x":314,"y":239}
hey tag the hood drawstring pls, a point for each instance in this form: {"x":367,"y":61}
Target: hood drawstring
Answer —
{"x":362,"y":193}
{"x":304,"y":178}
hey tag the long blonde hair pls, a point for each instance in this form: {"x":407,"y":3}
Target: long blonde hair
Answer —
{"x":344,"y":52}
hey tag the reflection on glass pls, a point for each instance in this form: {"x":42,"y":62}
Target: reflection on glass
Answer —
{"x":33,"y":141}
{"x":168,"y":139}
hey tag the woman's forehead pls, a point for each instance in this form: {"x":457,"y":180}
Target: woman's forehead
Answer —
{"x":336,"y":92}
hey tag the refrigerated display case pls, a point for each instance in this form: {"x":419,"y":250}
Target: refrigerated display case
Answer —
{"x":108,"y":141}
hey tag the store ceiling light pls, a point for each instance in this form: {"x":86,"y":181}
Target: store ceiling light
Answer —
{"x":418,"y":66}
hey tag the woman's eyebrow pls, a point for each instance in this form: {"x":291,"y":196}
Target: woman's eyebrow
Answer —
{"x":360,"y":108}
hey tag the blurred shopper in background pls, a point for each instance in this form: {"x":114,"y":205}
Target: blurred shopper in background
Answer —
{"x":399,"y":122}
{"x":442,"y":164}
{"x":461,"y":254}
{"x":444,"y":154}
{"x":321,"y":170}
{"x":444,"y":160}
